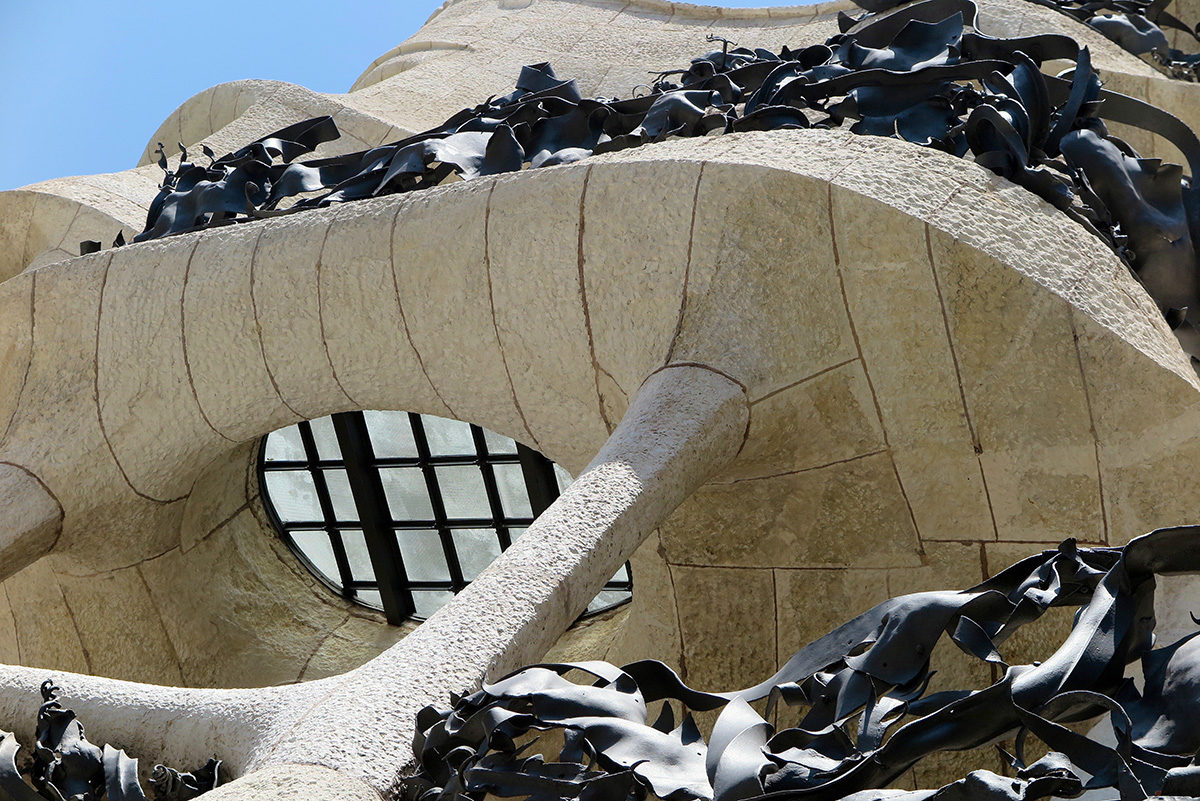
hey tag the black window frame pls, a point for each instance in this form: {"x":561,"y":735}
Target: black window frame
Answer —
{"x":381,"y":530}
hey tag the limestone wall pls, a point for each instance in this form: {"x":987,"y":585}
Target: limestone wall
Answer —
{"x":941,"y":373}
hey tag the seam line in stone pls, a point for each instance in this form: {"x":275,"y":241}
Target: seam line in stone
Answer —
{"x":262,"y":346}
{"x":62,"y":515}
{"x":162,"y":624}
{"x":318,"y":646}
{"x":583,"y":301}
{"x":187,"y":362}
{"x":321,"y":316}
{"x":208,"y":534}
{"x":400,"y":305}
{"x":687,"y":268}
{"x":62,"y":239}
{"x":1087,"y":399}
{"x":96,"y":397}
{"x":962,"y":392}
{"x":87,"y":657}
{"x":804,"y":380}
{"x":837,"y":264}
{"x":701,"y":366}
{"x":28,"y":362}
{"x":678,"y":619}
{"x":803,"y":470}
{"x":16,"y":633}
{"x":487,"y":266}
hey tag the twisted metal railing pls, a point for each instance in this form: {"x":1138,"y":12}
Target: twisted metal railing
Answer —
{"x":65,"y":766}
{"x":860,"y":694}
{"x":920,"y":74}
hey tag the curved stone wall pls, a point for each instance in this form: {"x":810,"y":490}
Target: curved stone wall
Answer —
{"x":926,"y":359}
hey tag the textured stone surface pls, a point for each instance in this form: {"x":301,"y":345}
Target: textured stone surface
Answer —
{"x":285,"y":274}
{"x":560,"y":382}
{"x":716,"y":655}
{"x":357,"y":291}
{"x":764,"y":245}
{"x":105,"y":609}
{"x":828,"y":418}
{"x":33,"y":520}
{"x":904,"y":323}
{"x":229,"y":376}
{"x":295,"y":782}
{"x":818,"y":517}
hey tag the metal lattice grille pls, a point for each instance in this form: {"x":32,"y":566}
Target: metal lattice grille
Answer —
{"x":400,"y":511}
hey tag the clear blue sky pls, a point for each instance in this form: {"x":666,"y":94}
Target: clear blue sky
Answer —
{"x":84,"y":84}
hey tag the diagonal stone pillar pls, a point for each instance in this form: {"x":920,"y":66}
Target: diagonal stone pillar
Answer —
{"x":348,"y":737}
{"x":685,"y":423}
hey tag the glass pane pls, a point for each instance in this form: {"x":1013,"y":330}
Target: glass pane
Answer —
{"x":371,"y":598}
{"x":407,"y":495}
{"x":462,"y":491}
{"x":514,"y":496}
{"x":498,"y":443}
{"x":429,"y":601}
{"x":326,"y":439}
{"x":339,"y":493}
{"x":563,"y":477}
{"x":391,"y":435}
{"x":316,"y":548}
{"x":448,"y":437}
{"x":284,"y":445}
{"x":607,"y":599}
{"x":424,"y":559}
{"x":621,"y":576}
{"x":293,"y":494}
{"x":515,"y":532}
{"x":358,"y":556}
{"x":476,"y":548}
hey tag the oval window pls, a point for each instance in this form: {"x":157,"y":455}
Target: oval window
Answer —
{"x":399,"y":511}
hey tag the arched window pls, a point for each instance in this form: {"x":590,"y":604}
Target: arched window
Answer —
{"x":399,"y":511}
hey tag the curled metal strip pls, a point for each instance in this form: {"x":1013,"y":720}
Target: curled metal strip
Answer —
{"x":67,"y":767}
{"x":919,"y":74}
{"x":860,"y":693}
{"x":121,"y":776}
{"x":12,"y":786}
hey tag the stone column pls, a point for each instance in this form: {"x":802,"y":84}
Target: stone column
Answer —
{"x":685,"y":423}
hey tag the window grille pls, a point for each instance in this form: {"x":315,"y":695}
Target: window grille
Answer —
{"x":399,"y":511}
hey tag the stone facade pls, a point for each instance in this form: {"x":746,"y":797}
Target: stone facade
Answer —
{"x":784,"y":366}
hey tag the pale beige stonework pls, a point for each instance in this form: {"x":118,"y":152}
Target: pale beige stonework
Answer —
{"x":796,"y":373}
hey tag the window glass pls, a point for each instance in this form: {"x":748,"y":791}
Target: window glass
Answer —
{"x":403,"y":510}
{"x":293,"y":495}
{"x":514,"y":497}
{"x":463,"y":492}
{"x":476,"y":547}
{"x":391,"y":435}
{"x":325,"y":439}
{"x":406,"y":493}
{"x":424,"y":557}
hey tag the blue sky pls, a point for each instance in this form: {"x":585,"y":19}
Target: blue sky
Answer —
{"x":83,"y":85}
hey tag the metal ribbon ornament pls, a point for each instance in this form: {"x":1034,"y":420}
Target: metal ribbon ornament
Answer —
{"x":67,"y":767}
{"x":865,"y":717}
{"x":921,"y":74}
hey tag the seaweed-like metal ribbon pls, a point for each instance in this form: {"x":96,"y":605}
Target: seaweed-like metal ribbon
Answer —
{"x":919,"y":73}
{"x":864,"y":714}
{"x":65,"y":765}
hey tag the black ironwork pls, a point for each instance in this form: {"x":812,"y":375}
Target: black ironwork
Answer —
{"x":383,"y":530}
{"x":373,"y":514}
{"x":65,"y":765}
{"x":865,"y":716}
{"x":917,"y":74}
{"x":1137,"y":26}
